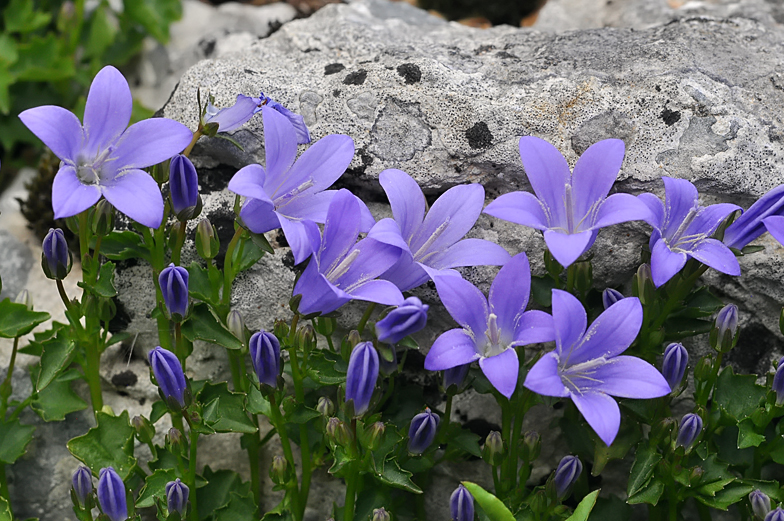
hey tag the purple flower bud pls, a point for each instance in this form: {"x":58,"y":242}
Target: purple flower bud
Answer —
{"x":177,"y":496}
{"x":690,"y":429}
{"x":111,"y":495}
{"x":168,"y":373}
{"x":778,"y":383}
{"x":724,"y":334}
{"x":422,"y":431}
{"x":569,"y":469}
{"x":362,"y":376}
{"x":184,"y":187}
{"x":56,"y":259}
{"x":82,"y":484}
{"x":455,"y":375}
{"x":174,"y":286}
{"x":406,"y":319}
{"x":760,"y":503}
{"x":461,"y":504}
{"x":611,"y":296}
{"x":265,"y":356}
{"x":775,"y":515}
{"x":674,"y":365}
{"x":381,"y":514}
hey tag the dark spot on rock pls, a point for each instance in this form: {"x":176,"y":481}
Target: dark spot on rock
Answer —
{"x":280,"y":238}
{"x":142,"y":400}
{"x":251,"y":71}
{"x":333,"y":68}
{"x":288,"y":260}
{"x":658,"y":89}
{"x":124,"y":379}
{"x":222,"y":218}
{"x":670,"y":117}
{"x":215,"y":179}
{"x":274,"y":26}
{"x":366,"y":158}
{"x":758,"y":345}
{"x":121,"y":318}
{"x":410,"y":72}
{"x":479,"y":136}
{"x":483,"y":49}
{"x":312,"y":49}
{"x":207,"y":47}
{"x":504,"y":54}
{"x":356,"y":77}
{"x":336,"y":93}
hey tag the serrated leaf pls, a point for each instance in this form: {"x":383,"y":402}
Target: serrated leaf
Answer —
{"x":102,"y":32}
{"x":493,"y":507}
{"x":583,"y":510}
{"x":676,"y":328}
{"x":645,"y":461}
{"x":58,"y":399}
{"x":56,"y":356}
{"x":257,"y":403}
{"x":650,"y":494}
{"x":159,"y":409}
{"x":727,"y":496}
{"x":217,"y":492}
{"x":43,"y":58}
{"x":124,"y":245}
{"x":154,"y":486}
{"x":239,"y":508}
{"x":323,"y":368}
{"x":465,"y":440}
{"x":738,"y":395}
{"x":104,"y":287}
{"x":394,"y":476}
{"x":5,"y":511}
{"x":16,"y":320}
{"x":747,"y":437}
{"x":230,"y":410}
{"x":301,"y":414}
{"x":202,"y":324}
{"x":108,"y":444}
{"x":14,"y":438}
{"x":250,"y":255}
{"x":200,"y":286}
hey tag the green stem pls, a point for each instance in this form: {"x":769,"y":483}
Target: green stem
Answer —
{"x":329,"y":343}
{"x":304,"y":442}
{"x":19,"y":408}
{"x":4,"y":485}
{"x":176,"y":419}
{"x":678,"y":294}
{"x":5,"y":388}
{"x":351,"y":491}
{"x":506,"y":434}
{"x":177,"y":251}
{"x":365,"y":317}
{"x":84,"y":239}
{"x":277,"y":421}
{"x":93,"y":376}
{"x":447,"y":413}
{"x":571,"y":276}
{"x":253,"y":447}
{"x":519,"y":412}
{"x":196,"y":136}
{"x":179,"y":346}
{"x":194,"y":445}
{"x":228,"y":267}
{"x":496,"y":480}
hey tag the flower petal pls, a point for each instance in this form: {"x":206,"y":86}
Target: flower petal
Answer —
{"x":341,"y":229}
{"x":775,"y":226}
{"x":449,"y":219}
{"x":569,"y":319}
{"x":567,"y":247}
{"x":601,"y":412}
{"x":665,"y":263}
{"x":656,"y":208}
{"x":406,"y":199}
{"x":548,"y":174}
{"x":372,"y":259}
{"x":534,"y":327}
{"x":464,"y":302}
{"x":249,"y":182}
{"x":303,"y":237}
{"x":318,"y":295}
{"x":594,"y":174}
{"x":543,"y":378}
{"x":232,"y":118}
{"x":628,"y":377}
{"x":502,"y":370}
{"x":680,"y":197}
{"x":107,"y":111}
{"x":750,"y":225}
{"x":58,"y":128}
{"x":509,"y":293}
{"x":521,"y":208}
{"x":610,"y":334}
{"x":405,"y":273}
{"x":621,"y":208}
{"x":150,"y":142}
{"x":715,"y":254}
{"x":70,"y":196}
{"x":280,"y":145}
{"x":259,"y":216}
{"x":313,"y":206}
{"x":136,"y":194}
{"x":321,"y":164}
{"x":451,"y":349}
{"x":469,"y":252}
{"x":380,"y":291}
{"x":388,"y":232}
{"x":709,"y":218}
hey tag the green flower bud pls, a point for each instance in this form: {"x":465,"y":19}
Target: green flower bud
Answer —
{"x":236,"y":325}
{"x":325,"y":407}
{"x":376,"y":435}
{"x":584,"y":276}
{"x":642,"y":285}
{"x":380,"y":514}
{"x":144,"y":429}
{"x":354,"y":338}
{"x":24,"y":298}
{"x":175,"y":441}
{"x":325,"y":325}
{"x":493,"y":451}
{"x":103,"y":218}
{"x":306,"y":338}
{"x":663,"y":433}
{"x":279,"y":470}
{"x":704,"y":369}
{"x":207,"y":242}
{"x":532,"y":446}
{"x":280,"y":329}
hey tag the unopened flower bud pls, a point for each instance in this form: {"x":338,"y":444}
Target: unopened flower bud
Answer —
{"x":695,"y":475}
{"x":338,"y":431}
{"x":265,"y":357}
{"x":725,"y":332}
{"x":676,"y":358}
{"x":380,"y":514}
{"x":177,"y":496}
{"x":278,"y":470}
{"x":236,"y":324}
{"x":174,"y":286}
{"x":760,"y":503}
{"x":184,"y":188}
{"x":532,"y":444}
{"x":422,"y":431}
{"x":325,"y":325}
{"x":387,"y":358}
{"x":493,"y":450}
{"x":144,"y":429}
{"x":663,"y":431}
{"x":56,"y":259}
{"x":24,"y":298}
{"x":280,"y":329}
{"x":207,"y":242}
{"x":778,"y":383}
{"x":775,"y":515}
{"x":306,"y":338}
{"x":175,"y":439}
{"x":455,"y":376}
{"x":112,"y":495}
{"x":325,"y":407}
{"x":362,"y":376}
{"x":642,"y":285}
{"x":569,"y":469}
{"x":376,"y":435}
{"x":169,"y":376}
{"x":461,"y":504}
{"x":354,"y":338}
{"x":611,"y":296}
{"x":103,"y":218}
{"x":704,"y":369}
{"x":406,"y":319}
{"x":689,"y":430}
{"x":83,"y":485}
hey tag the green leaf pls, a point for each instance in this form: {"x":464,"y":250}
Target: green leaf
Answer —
{"x":542,"y":290}
{"x":747,"y":437}
{"x":35,"y":347}
{"x":257,"y":403}
{"x":676,"y":328}
{"x":16,"y":320}
{"x":22,"y":17}
{"x":14,"y":437}
{"x":55,"y":358}
{"x":200,"y":286}
{"x":102,"y":32}
{"x":716,"y":476}
{"x":58,"y":399}
{"x":5,"y":511}
{"x":301,"y":414}
{"x":251,"y":253}
{"x":738,"y":395}
{"x":650,"y":494}
{"x":239,"y":508}
{"x":492,"y":506}
{"x":154,"y":15}
{"x":108,"y":444}
{"x":43,"y":59}
{"x":611,"y":509}
{"x":394,"y":476}
{"x":645,"y":462}
{"x":584,"y":508}
{"x":159,"y":409}
{"x":105,"y":285}
{"x":727,"y":496}
{"x":202,"y":324}
{"x":465,"y":440}
{"x":324,"y":368}
{"x":216,"y":493}
{"x":231,"y":415}
{"x":124,"y":245}
{"x":154,"y":486}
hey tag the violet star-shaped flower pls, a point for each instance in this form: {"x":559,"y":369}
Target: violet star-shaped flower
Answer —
{"x":105,"y":156}
{"x":586,"y":365}
{"x":292,"y":195}
{"x":766,"y":214}
{"x":432,"y":242}
{"x":492,"y":327}
{"x":343,"y":269}
{"x":569,"y":207}
{"x":232,"y":118}
{"x":682,"y":229}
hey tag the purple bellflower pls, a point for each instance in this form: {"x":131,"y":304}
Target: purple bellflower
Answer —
{"x":432,"y":242}
{"x":461,"y":504}
{"x":293,"y":195}
{"x":303,"y":135}
{"x":112,"y":495}
{"x":168,"y":374}
{"x":569,"y":207}
{"x":778,"y":382}
{"x":765,"y":214}
{"x":232,"y":118}
{"x":586,"y":365}
{"x":492,"y":327}
{"x":676,"y":358}
{"x":611,"y":296}
{"x":455,"y":375}
{"x":402,"y":321}
{"x":265,"y":356}
{"x":422,"y":431}
{"x":682,"y":229}
{"x":105,"y":156}
{"x":343,"y":269}
{"x":760,"y":503}
{"x":362,"y":375}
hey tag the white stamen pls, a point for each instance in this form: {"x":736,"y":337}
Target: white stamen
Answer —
{"x":429,"y":242}
{"x":339,"y":270}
